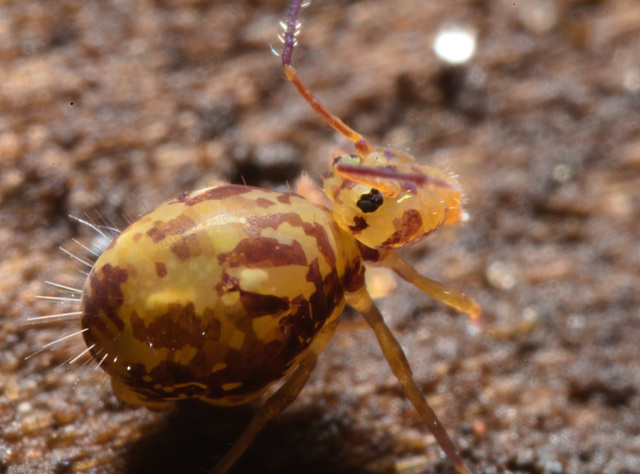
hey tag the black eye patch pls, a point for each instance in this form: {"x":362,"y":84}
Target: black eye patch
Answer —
{"x":370,"y":202}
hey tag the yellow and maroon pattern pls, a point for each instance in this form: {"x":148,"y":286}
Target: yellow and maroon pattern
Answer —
{"x":216,"y":295}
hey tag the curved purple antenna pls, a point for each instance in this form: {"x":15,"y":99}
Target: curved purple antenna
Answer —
{"x":291,"y":28}
{"x":390,"y":174}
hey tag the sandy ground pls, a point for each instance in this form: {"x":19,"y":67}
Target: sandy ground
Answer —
{"x":110,"y":108}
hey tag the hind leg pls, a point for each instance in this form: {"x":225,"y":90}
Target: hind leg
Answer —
{"x":277,"y":402}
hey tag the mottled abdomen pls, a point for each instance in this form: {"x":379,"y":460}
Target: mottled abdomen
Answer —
{"x":216,"y":295}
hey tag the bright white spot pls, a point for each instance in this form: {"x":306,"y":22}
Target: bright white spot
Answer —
{"x":455,"y":44}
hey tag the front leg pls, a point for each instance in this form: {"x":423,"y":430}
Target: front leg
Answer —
{"x":447,"y":294}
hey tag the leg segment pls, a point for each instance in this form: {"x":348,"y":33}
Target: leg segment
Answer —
{"x":305,"y":187}
{"x":397,"y":360}
{"x":277,"y":402}
{"x":448,"y":295}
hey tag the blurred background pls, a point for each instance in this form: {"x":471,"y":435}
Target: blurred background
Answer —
{"x":110,"y":108}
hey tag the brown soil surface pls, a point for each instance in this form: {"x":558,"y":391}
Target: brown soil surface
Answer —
{"x":108,"y":108}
